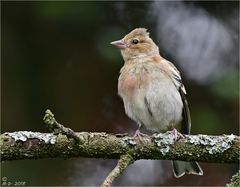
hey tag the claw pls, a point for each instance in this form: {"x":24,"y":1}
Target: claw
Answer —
{"x":176,"y":134}
{"x":139,"y":135}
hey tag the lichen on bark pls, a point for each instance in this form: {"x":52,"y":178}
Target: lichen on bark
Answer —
{"x":102,"y":145}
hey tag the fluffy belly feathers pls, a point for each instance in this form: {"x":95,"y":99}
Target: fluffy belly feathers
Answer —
{"x":150,"y":100}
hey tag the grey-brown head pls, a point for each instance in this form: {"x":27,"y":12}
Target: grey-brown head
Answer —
{"x":136,"y":44}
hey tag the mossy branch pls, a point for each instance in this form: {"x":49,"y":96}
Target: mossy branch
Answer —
{"x":235,"y":180}
{"x":66,"y":143}
{"x":35,"y":145}
{"x":123,"y":163}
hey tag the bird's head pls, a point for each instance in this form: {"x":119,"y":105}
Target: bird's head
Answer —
{"x":136,"y":44}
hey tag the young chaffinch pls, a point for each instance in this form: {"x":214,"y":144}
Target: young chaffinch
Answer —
{"x":152,"y":91}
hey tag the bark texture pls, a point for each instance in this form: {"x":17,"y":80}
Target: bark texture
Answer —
{"x":34,"y":145}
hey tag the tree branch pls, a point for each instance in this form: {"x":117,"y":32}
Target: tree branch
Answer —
{"x":123,"y":163}
{"x":35,"y":145}
{"x":66,"y":143}
{"x":235,"y":180}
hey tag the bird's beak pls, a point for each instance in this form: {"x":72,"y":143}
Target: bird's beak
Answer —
{"x":119,"y":44}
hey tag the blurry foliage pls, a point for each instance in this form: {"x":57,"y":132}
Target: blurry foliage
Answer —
{"x":107,"y":51}
{"x":205,"y":120}
{"x":227,"y":87}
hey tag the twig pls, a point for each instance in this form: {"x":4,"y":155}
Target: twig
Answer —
{"x":57,"y":128}
{"x":235,"y":180}
{"x":122,"y":164}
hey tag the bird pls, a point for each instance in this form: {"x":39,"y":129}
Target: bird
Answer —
{"x":153,"y":92}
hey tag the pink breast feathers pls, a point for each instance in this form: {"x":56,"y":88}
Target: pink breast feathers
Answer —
{"x":128,"y":84}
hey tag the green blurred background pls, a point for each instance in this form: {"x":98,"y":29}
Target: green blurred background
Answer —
{"x":57,"y":55}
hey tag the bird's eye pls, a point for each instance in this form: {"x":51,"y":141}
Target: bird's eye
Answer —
{"x":135,"y":41}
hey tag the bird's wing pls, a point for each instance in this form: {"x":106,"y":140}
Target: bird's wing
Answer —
{"x":176,"y":77}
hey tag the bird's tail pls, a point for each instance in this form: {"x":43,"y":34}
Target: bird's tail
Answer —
{"x":182,"y":167}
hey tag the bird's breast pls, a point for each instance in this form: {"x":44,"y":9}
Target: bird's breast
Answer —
{"x":131,"y":80}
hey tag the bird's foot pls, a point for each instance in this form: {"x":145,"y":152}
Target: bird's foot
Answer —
{"x":139,"y":135}
{"x":176,"y":134}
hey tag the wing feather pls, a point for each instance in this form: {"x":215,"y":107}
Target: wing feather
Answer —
{"x":176,"y":77}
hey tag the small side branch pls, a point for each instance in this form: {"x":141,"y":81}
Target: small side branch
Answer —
{"x":235,"y":180}
{"x":122,"y":164}
{"x":57,"y":128}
